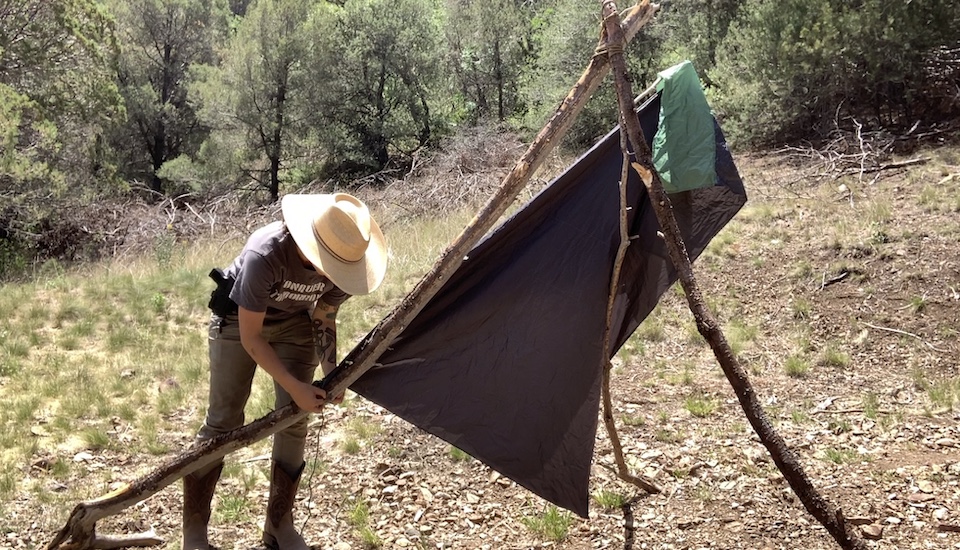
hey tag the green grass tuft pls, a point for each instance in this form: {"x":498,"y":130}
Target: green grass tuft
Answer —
{"x":96,"y":439}
{"x":458,"y":455}
{"x":350,"y":445}
{"x":840,"y":456}
{"x":234,"y":508}
{"x":699,"y":405}
{"x":359,"y":518}
{"x":553,"y":524}
{"x":833,"y":356}
{"x":609,"y":500}
{"x":796,"y":366}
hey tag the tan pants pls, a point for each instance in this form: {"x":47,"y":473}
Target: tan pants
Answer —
{"x":231,"y":378}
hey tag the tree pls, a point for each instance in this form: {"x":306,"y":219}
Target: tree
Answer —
{"x":55,"y":90}
{"x":258,"y":95}
{"x":564,"y":29}
{"x":887,"y":81}
{"x":565,"y":32}
{"x":239,"y":7}
{"x":692,"y":30}
{"x":161,"y":41}
{"x":374,"y":67}
{"x":56,"y":95}
{"x":798,"y":69}
{"x":488,"y":43}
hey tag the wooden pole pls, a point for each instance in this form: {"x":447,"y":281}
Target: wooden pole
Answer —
{"x":79,"y":532}
{"x":622,"y":471}
{"x":831,"y":518}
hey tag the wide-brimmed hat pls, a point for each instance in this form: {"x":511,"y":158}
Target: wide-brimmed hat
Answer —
{"x":339,"y":236}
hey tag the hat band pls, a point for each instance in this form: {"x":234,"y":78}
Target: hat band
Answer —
{"x":333,"y":252}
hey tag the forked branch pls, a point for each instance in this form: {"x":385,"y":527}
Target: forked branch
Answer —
{"x":623,"y":472}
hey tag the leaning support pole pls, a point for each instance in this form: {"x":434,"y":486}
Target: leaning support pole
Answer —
{"x":831,"y":518}
{"x":79,"y":532}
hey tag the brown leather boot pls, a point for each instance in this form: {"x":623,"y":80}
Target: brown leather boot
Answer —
{"x":279,"y":533}
{"x":197,"y":494}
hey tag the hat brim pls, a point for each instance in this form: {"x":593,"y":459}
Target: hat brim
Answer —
{"x":362,"y":277}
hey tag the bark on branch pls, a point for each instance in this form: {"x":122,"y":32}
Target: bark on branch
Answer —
{"x":831,"y":518}
{"x":623,"y":472}
{"x":79,"y":532}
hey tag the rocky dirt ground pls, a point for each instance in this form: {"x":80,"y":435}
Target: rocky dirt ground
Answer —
{"x":844,"y":306}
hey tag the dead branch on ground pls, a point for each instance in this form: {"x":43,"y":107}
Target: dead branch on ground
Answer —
{"x":905,"y":333}
{"x":846,"y":153}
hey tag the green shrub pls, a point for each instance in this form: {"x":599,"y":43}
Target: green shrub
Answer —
{"x":790,"y":68}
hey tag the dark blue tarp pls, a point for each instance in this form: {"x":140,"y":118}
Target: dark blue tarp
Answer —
{"x":505,"y":362}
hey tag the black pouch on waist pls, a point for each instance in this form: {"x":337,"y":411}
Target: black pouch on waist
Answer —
{"x":220,"y":302}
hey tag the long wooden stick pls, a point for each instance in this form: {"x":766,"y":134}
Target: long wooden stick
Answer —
{"x":831,"y":518}
{"x":79,"y":532}
{"x":623,"y":472}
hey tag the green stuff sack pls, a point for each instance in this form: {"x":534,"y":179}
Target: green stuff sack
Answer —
{"x":684,"y":147}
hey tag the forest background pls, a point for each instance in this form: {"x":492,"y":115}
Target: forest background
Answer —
{"x":111,"y":101}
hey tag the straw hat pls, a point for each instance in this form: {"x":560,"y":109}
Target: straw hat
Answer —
{"x":339,"y":237}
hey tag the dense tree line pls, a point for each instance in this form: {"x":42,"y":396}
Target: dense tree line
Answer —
{"x":171,"y":97}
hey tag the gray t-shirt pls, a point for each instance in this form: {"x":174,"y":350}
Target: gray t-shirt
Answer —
{"x":271,"y":277}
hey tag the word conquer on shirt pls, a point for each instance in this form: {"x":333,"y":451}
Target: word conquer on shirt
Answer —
{"x":299,"y":292}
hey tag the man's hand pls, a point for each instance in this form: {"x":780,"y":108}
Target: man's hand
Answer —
{"x":327,"y":367}
{"x":308,"y":397}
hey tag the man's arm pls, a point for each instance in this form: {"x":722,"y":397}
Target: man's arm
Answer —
{"x":307,"y":396}
{"x":325,"y":338}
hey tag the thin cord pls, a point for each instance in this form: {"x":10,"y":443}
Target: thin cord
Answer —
{"x":313,"y":470}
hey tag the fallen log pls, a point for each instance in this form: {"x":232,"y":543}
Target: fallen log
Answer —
{"x":79,"y":532}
